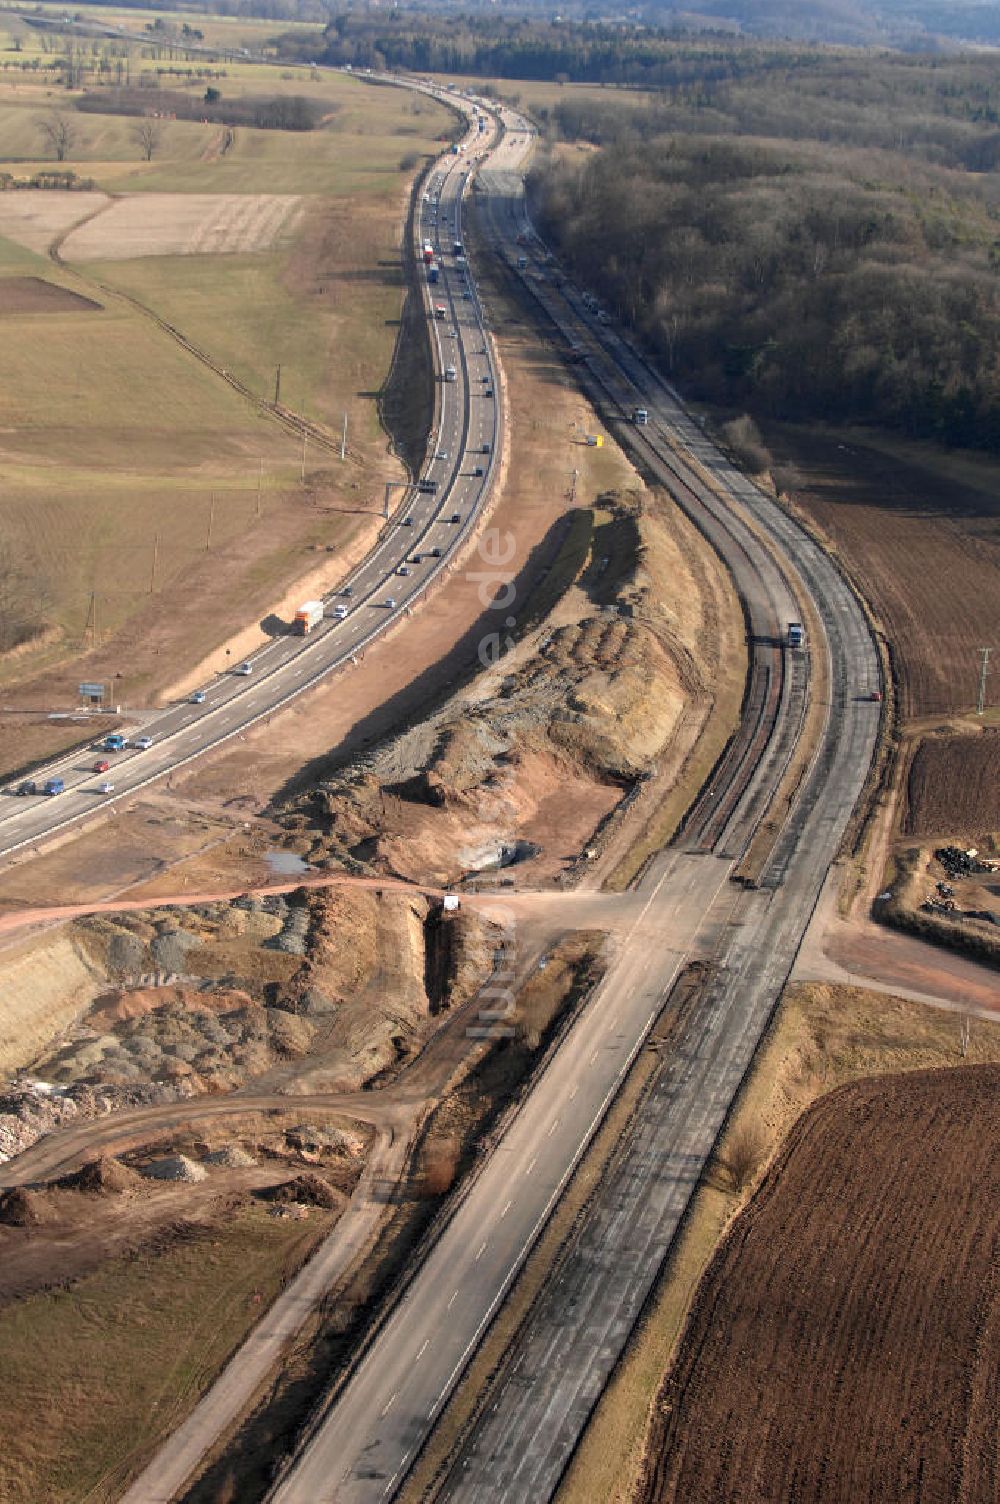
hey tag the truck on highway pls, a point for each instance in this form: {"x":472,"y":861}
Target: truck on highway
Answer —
{"x":432,"y":272}
{"x":457,"y":247}
{"x":796,"y":635}
{"x":309,"y":615}
{"x":54,"y":786}
{"x":440,"y":311}
{"x":428,"y":253}
{"x":640,"y":417}
{"x":522,"y":263}
{"x":115,"y":742}
{"x":450,"y":374}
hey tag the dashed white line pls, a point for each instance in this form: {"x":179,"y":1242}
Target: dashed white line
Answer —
{"x":532,"y":1165}
{"x":420,"y":1354}
{"x":506,"y":1209}
{"x":480,"y":1253}
{"x":452,"y":1300}
{"x":387,"y":1406}
{"x":552,"y":1129}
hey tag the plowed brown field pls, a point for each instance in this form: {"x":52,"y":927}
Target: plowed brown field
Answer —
{"x":923,"y":546}
{"x":954,"y":787}
{"x":844,"y":1345}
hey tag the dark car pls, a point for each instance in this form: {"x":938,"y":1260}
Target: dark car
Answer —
{"x":477,"y":470}
{"x":455,"y":517}
{"x":29,"y":786}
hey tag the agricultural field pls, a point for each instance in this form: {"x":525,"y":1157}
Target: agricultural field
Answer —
{"x":953,"y":787}
{"x":919,"y":531}
{"x":843,"y":1342}
{"x":138,"y":476}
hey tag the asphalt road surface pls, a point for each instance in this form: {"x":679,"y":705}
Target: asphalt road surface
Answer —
{"x":424,"y":532}
{"x":360,"y":1448}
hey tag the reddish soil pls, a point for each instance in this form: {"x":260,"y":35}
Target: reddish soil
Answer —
{"x":843,"y":1345}
{"x":953,"y":787}
{"x":924,"y":550}
{"x":35,"y":295}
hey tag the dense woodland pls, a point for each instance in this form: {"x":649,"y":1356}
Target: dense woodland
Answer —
{"x":823,"y":243}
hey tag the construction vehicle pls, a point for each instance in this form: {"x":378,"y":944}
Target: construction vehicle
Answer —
{"x":309,"y":615}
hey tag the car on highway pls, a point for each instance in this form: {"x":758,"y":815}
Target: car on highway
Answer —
{"x":467,"y":295}
{"x":442,"y":454}
{"x":403,"y":569}
{"x":105,"y":787}
{"x":199,"y":697}
{"x":244,"y":669}
{"x":416,"y":558}
{"x":435,"y":553}
{"x":143,"y":743}
{"x":485,"y":449}
{"x":487,"y":391}
{"x":54,"y":786}
{"x":478,"y":470}
{"x":407,"y":521}
{"x":348,"y":590}
{"x":102,"y":765}
{"x":27,"y":786}
{"x":455,"y":517}
{"x":390,"y":603}
{"x":340,"y":612}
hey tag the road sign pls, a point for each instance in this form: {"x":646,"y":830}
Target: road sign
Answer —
{"x":92,"y":691}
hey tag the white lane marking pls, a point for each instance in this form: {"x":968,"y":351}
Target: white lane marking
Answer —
{"x":480,"y":1253}
{"x":532,"y":1165}
{"x":555,"y":1125}
{"x":420,"y":1354}
{"x":594,"y":1056}
{"x":573,"y":1092}
{"x":387,"y":1406}
{"x":506,"y":1209}
{"x":452,"y":1300}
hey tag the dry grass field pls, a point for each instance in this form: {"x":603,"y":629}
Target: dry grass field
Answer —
{"x":135,"y":478}
{"x":843,"y":1344}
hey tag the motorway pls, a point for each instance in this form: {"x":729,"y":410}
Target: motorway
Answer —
{"x":424,"y":534}
{"x":361,"y":1445}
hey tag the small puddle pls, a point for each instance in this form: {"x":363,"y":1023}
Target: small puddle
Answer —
{"x":286,"y":863}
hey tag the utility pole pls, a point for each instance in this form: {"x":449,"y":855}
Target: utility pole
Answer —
{"x":211,"y":520}
{"x":984,"y":668}
{"x":277,"y":385}
{"x":152,"y":572}
{"x":302,"y":471}
{"x":260,"y":482}
{"x":343,"y":440}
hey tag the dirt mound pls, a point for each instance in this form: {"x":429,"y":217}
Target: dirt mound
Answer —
{"x":104,"y":1176}
{"x":35,"y":295}
{"x":20,"y":1207}
{"x":307,"y":1189}
{"x":843,"y":1343}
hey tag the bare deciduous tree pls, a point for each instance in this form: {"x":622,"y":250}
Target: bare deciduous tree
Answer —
{"x":147,"y":134}
{"x":59,"y":134}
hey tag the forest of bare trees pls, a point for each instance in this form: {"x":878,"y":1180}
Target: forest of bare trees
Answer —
{"x":844,"y":265}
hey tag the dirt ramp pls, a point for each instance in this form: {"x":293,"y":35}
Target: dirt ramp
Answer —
{"x":843,"y":1344}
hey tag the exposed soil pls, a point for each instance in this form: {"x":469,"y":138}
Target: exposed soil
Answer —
{"x":34,"y":217}
{"x":63,"y":1229}
{"x":843,"y":1343}
{"x":35,"y":295}
{"x":923,"y":546}
{"x":953,"y":788}
{"x":183,"y":224}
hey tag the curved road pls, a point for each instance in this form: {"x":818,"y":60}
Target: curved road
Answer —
{"x":428,"y":525}
{"x":363,"y":1441}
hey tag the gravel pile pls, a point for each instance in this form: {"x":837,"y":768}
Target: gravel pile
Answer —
{"x":174,"y":1167}
{"x":232,"y":1157}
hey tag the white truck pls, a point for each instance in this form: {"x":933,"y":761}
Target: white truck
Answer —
{"x":309,"y":615}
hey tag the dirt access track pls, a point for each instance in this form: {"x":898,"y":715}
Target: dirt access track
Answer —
{"x":843,"y":1345}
